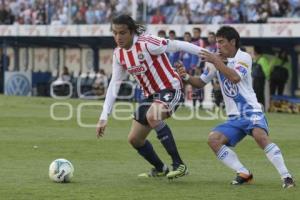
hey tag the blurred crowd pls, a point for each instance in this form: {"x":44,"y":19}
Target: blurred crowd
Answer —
{"x":221,"y":11}
{"x":153,"y":12}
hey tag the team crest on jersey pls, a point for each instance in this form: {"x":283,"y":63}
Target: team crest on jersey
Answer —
{"x":230,"y":89}
{"x":141,"y":56}
{"x":137,"y":70}
{"x":241,"y":69}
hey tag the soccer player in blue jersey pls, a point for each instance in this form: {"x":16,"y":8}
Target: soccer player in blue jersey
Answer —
{"x":245,"y":116}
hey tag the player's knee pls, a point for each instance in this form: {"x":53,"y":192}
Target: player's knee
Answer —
{"x":134,"y":140}
{"x":262,"y":140}
{"x":261,"y":137}
{"x":214,"y":139}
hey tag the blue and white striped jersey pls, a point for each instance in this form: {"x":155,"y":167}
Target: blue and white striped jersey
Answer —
{"x":239,"y":98}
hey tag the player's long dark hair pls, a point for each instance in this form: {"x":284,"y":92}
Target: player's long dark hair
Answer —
{"x":229,"y":33}
{"x":133,"y":26}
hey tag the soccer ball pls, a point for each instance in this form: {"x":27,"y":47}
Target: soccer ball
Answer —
{"x":61,"y":170}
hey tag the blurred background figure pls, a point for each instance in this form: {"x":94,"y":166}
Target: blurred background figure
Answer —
{"x":65,"y":76}
{"x":260,"y":73}
{"x":61,"y":86}
{"x":158,"y":18}
{"x":198,"y":93}
{"x":197,"y":40}
{"x":99,"y":86}
{"x":162,"y":34}
{"x":217,"y":95}
{"x":4,"y":63}
{"x":279,"y":73}
{"x":212,"y":43}
{"x":173,"y":56}
{"x":186,"y":57}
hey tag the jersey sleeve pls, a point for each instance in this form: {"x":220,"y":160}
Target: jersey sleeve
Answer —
{"x":242,"y":66}
{"x":156,"y":45}
{"x":177,"y":45}
{"x":118,"y":74}
{"x":209,"y":73}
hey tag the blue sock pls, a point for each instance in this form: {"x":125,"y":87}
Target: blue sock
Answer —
{"x":149,"y":154}
{"x":164,"y":134}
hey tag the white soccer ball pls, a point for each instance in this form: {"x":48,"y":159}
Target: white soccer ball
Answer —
{"x":61,"y":170}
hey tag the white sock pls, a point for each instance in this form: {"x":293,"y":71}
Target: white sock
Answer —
{"x":230,"y":159}
{"x":273,"y":153}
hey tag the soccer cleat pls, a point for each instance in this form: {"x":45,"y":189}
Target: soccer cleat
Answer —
{"x":242,"y":179}
{"x":181,"y":170}
{"x":155,"y":173}
{"x":288,"y":182}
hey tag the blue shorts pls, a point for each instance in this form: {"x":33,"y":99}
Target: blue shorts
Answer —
{"x":237,"y":127}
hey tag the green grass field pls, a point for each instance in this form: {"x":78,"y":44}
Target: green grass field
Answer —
{"x":107,"y":168}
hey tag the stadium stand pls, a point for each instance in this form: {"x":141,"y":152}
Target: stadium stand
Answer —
{"x":41,"y":12}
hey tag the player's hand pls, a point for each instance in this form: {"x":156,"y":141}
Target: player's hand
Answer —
{"x":222,"y":57}
{"x":101,"y":125}
{"x":180,"y":69}
{"x":210,"y":57}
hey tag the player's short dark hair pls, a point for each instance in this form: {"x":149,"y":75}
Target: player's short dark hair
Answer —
{"x":188,"y":33}
{"x":212,"y":33}
{"x":197,"y":29}
{"x":162,"y":32}
{"x":133,"y":26}
{"x":172,"y":32}
{"x":229,"y":33}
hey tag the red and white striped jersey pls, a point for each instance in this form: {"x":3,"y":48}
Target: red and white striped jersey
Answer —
{"x":148,"y":63}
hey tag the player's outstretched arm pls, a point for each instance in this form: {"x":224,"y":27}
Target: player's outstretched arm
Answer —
{"x":194,"y":81}
{"x":177,"y":45}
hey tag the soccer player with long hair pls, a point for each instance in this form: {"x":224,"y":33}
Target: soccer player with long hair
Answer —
{"x":144,"y":57}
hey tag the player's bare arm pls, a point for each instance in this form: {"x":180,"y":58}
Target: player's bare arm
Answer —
{"x":220,"y":65}
{"x":194,"y":81}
